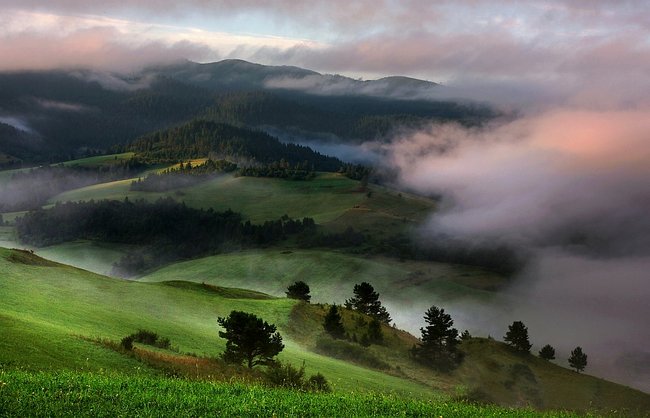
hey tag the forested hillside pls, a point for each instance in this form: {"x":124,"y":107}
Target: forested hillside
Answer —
{"x":201,"y":138}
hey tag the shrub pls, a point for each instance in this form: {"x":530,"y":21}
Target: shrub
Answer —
{"x":127,"y":343}
{"x":344,"y":350}
{"x":286,"y":375}
{"x":143,"y":336}
{"x":318,"y":383}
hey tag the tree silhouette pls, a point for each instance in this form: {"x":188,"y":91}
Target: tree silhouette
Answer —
{"x":375,"y":336}
{"x":517,"y":336}
{"x":439,"y":341}
{"x":547,"y":352}
{"x":299,"y":290}
{"x":250,"y":339}
{"x":332,"y":323}
{"x":366,"y":301}
{"x":578,"y":359}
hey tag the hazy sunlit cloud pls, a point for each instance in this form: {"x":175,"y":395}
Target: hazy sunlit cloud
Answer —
{"x":34,"y":40}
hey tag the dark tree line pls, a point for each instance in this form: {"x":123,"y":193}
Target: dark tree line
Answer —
{"x":169,"y":229}
{"x":280,"y":169}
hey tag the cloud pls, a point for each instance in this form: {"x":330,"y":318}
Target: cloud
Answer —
{"x":570,"y":186}
{"x":533,"y":177}
{"x":96,"y":48}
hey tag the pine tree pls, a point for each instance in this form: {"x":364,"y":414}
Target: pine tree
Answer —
{"x":333,"y":324}
{"x":366,"y":301}
{"x":517,"y":336}
{"x":578,"y":359}
{"x":375,"y":336}
{"x":439,"y":341}
{"x":250,"y":339}
{"x":299,"y":290}
{"x":547,"y":352}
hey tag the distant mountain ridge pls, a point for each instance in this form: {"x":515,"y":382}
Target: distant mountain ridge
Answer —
{"x":239,"y":75}
{"x":69,"y":114}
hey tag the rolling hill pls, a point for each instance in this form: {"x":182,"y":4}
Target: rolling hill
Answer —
{"x":54,"y":318}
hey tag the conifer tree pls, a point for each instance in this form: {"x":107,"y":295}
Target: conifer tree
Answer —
{"x":299,"y":290}
{"x":578,"y":359}
{"x":333,"y":324}
{"x":547,"y":352}
{"x":366,"y":301}
{"x":439,"y":341}
{"x":517,"y":336}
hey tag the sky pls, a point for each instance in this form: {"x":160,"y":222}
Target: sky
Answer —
{"x":495,"y":46}
{"x":566,"y":179}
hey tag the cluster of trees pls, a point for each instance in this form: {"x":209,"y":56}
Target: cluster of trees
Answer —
{"x":517,"y":338}
{"x":30,"y":189}
{"x":357,"y":172}
{"x":280,"y":169}
{"x":365,"y":301}
{"x":252,"y":341}
{"x":169,"y":230}
{"x":199,"y":138}
{"x":184,"y":175}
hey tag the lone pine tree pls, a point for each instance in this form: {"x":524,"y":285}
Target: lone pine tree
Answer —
{"x":366,"y":301}
{"x":578,"y":359}
{"x":249,"y":339}
{"x":299,"y":290}
{"x":547,"y":352}
{"x":439,"y":342}
{"x":517,"y":336}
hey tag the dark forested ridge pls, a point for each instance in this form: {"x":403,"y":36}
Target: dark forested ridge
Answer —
{"x":201,"y":138}
{"x":169,"y":230}
{"x":60,"y":115}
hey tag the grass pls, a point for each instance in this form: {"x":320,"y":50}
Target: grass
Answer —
{"x":94,"y":256}
{"x":64,"y":303}
{"x":100,"y":160}
{"x":258,"y":199}
{"x":524,"y":379}
{"x":48,"y":312}
{"x":331,"y":275}
{"x":107,"y":395}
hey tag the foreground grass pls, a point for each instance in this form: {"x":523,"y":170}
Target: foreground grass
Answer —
{"x":107,"y":395}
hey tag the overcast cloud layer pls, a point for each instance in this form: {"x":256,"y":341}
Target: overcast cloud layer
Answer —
{"x":577,"y":50}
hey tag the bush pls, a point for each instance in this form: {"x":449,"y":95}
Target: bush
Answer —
{"x":288,"y":376}
{"x":127,"y":343}
{"x":143,"y":336}
{"x":318,"y":383}
{"x":344,"y":350}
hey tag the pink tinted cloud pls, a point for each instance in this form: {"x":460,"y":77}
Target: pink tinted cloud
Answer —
{"x":98,"y":48}
{"x":529,"y":178}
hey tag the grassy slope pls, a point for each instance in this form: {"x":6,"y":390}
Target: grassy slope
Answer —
{"x":331,"y":275}
{"x":259,"y":199}
{"x":523,"y":379}
{"x":491,"y":372}
{"x":46,"y":307}
{"x":55,"y":304}
{"x":75,"y":394}
{"x":100,"y":160}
